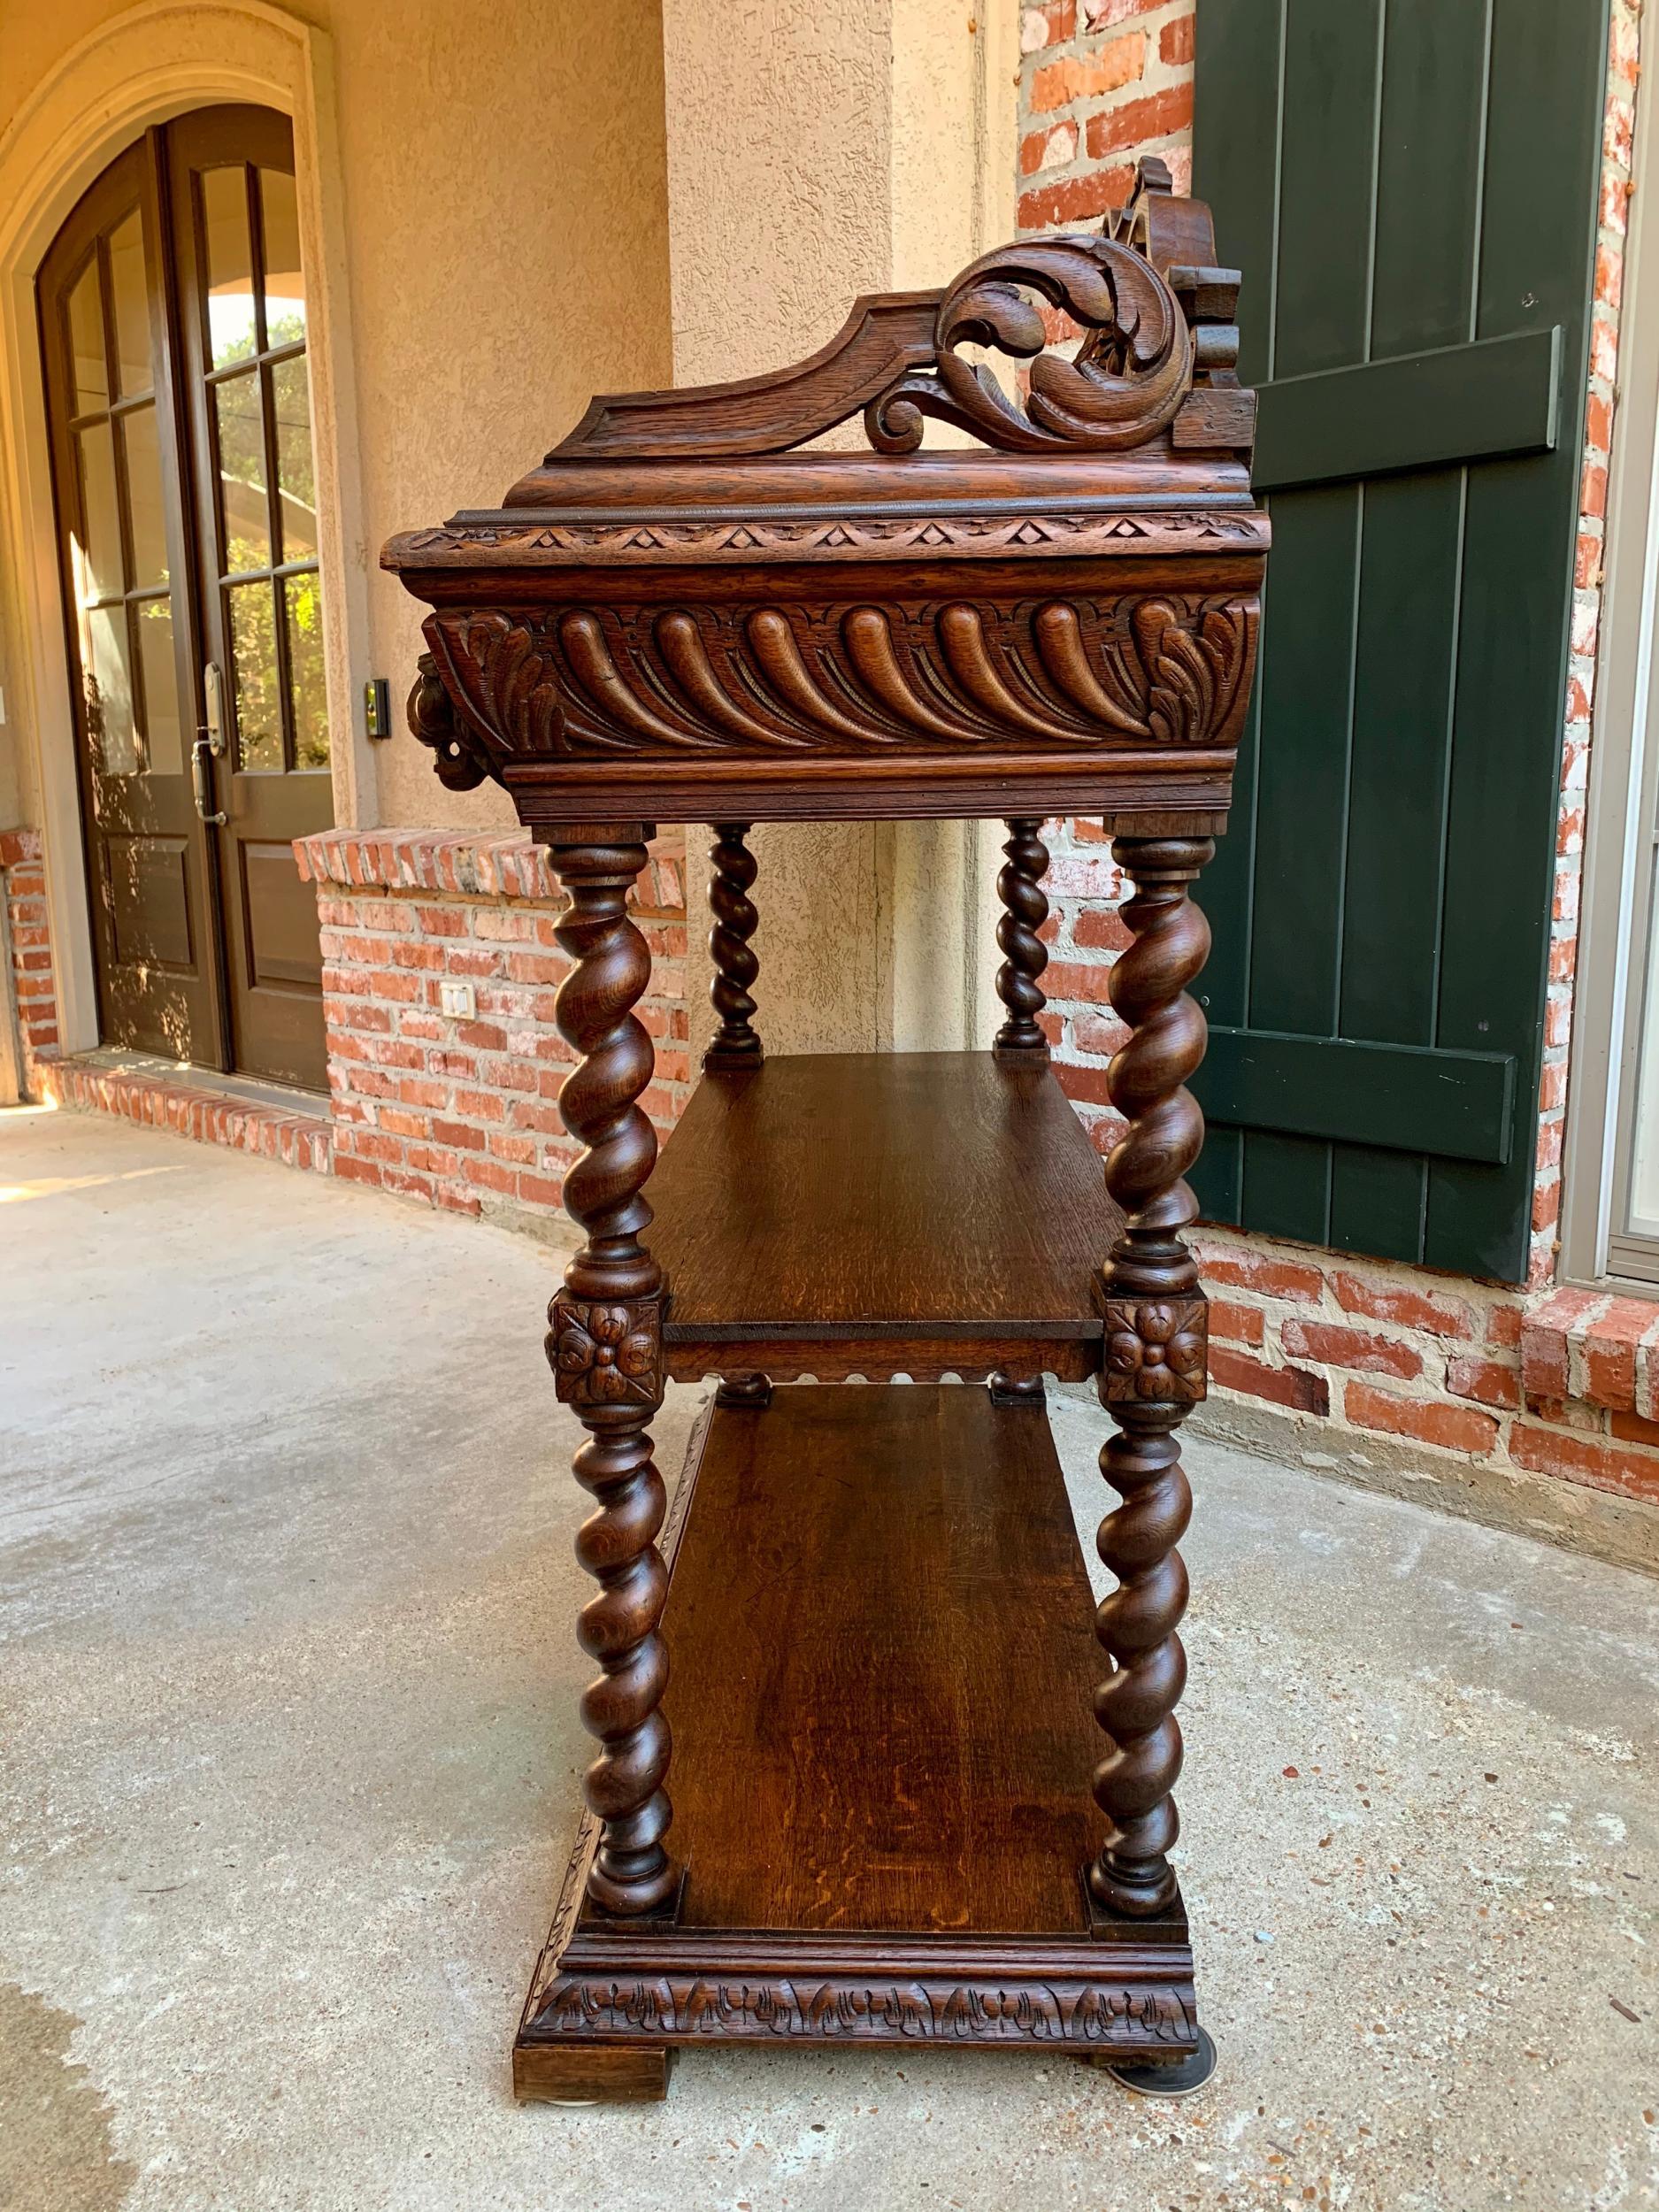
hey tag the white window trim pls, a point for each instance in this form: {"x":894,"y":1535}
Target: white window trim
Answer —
{"x":1615,"y":922}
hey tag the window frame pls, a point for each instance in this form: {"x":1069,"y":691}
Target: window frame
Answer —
{"x":1617,"y":960}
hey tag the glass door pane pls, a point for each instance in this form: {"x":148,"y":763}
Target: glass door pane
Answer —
{"x":122,"y":509}
{"x":238,"y":219}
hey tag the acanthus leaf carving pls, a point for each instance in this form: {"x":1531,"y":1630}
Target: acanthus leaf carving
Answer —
{"x":502,"y":680}
{"x":850,"y":2007}
{"x":1128,"y":381}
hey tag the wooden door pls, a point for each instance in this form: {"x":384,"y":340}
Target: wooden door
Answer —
{"x":115,"y":437}
{"x":1410,"y":188}
{"x":173,"y":325}
{"x":242,"y":317}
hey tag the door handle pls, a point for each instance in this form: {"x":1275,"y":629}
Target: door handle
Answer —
{"x":213,"y":702}
{"x":202,"y":781}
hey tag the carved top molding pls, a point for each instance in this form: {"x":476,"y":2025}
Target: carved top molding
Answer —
{"x":513,"y":543}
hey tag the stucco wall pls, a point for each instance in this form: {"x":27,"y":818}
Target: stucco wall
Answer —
{"x":502,"y":181}
{"x":507,"y":202}
{"x":817,"y":150}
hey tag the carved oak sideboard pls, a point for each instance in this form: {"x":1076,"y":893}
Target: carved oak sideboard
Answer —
{"x":921,"y":1790}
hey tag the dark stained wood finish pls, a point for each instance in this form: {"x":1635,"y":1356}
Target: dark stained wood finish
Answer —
{"x":1134,"y":374}
{"x":1024,"y":910}
{"x":871,"y":1358}
{"x":895,"y":1824}
{"x":604,"y":1339}
{"x":569,"y":2072}
{"x":675,"y":615}
{"x":960,"y":1804}
{"x":735,"y":1043}
{"x":915,"y":1877}
{"x":1154,"y":1371}
{"x":856,"y":1200}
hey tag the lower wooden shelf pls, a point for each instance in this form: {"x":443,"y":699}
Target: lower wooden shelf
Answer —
{"x":882,"y":1655}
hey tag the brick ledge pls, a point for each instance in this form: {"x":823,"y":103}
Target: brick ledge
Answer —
{"x":471,"y":863}
{"x":240,"y":1124}
{"x":1599,"y":1347}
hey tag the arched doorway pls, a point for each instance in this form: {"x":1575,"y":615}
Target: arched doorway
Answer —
{"x":173,"y":315}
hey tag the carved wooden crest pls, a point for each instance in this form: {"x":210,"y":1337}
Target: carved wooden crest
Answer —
{"x":677,"y":600}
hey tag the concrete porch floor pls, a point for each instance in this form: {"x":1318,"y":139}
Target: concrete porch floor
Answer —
{"x":290,"y":1761}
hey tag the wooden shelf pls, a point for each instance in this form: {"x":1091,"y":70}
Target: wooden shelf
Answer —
{"x":880,"y":1214}
{"x":883,"y":1659}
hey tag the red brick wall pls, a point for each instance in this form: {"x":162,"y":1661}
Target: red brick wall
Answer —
{"x":462,"y":1111}
{"x":1386,"y":1349}
{"x":1563,"y":1386}
{"x":1101,"y":83}
{"x":23,"y":886}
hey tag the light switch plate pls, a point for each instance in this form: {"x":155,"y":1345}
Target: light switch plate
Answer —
{"x":458,"y":999}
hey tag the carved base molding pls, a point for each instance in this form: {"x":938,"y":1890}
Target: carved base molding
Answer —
{"x":729,"y":2005}
{"x":1125,"y":1990}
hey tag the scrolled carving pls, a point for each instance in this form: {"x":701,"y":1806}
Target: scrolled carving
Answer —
{"x":1167,"y":669}
{"x":1129,"y":378}
{"x":462,"y":761}
{"x":1156,"y":1351}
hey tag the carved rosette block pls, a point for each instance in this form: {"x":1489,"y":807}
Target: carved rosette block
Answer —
{"x":606,"y":1355}
{"x":1156,"y":1351}
{"x":1024,"y":955}
{"x":1153,"y":1370}
{"x":605,"y":1344}
{"x":735,"y":1043}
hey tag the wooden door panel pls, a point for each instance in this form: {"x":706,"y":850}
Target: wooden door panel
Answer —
{"x":149,"y":890}
{"x":113,"y":421}
{"x":1411,"y":190}
{"x":243,"y":320}
{"x":282,"y":929}
{"x":1410,"y":411}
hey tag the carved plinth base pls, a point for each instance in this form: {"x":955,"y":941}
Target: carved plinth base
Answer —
{"x":610,"y":2001}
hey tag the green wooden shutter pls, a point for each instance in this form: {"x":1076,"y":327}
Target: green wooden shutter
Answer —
{"x":1410,"y":188}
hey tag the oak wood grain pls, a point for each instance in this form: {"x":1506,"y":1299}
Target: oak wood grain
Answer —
{"x":851,"y":1616}
{"x":824,"y":1197}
